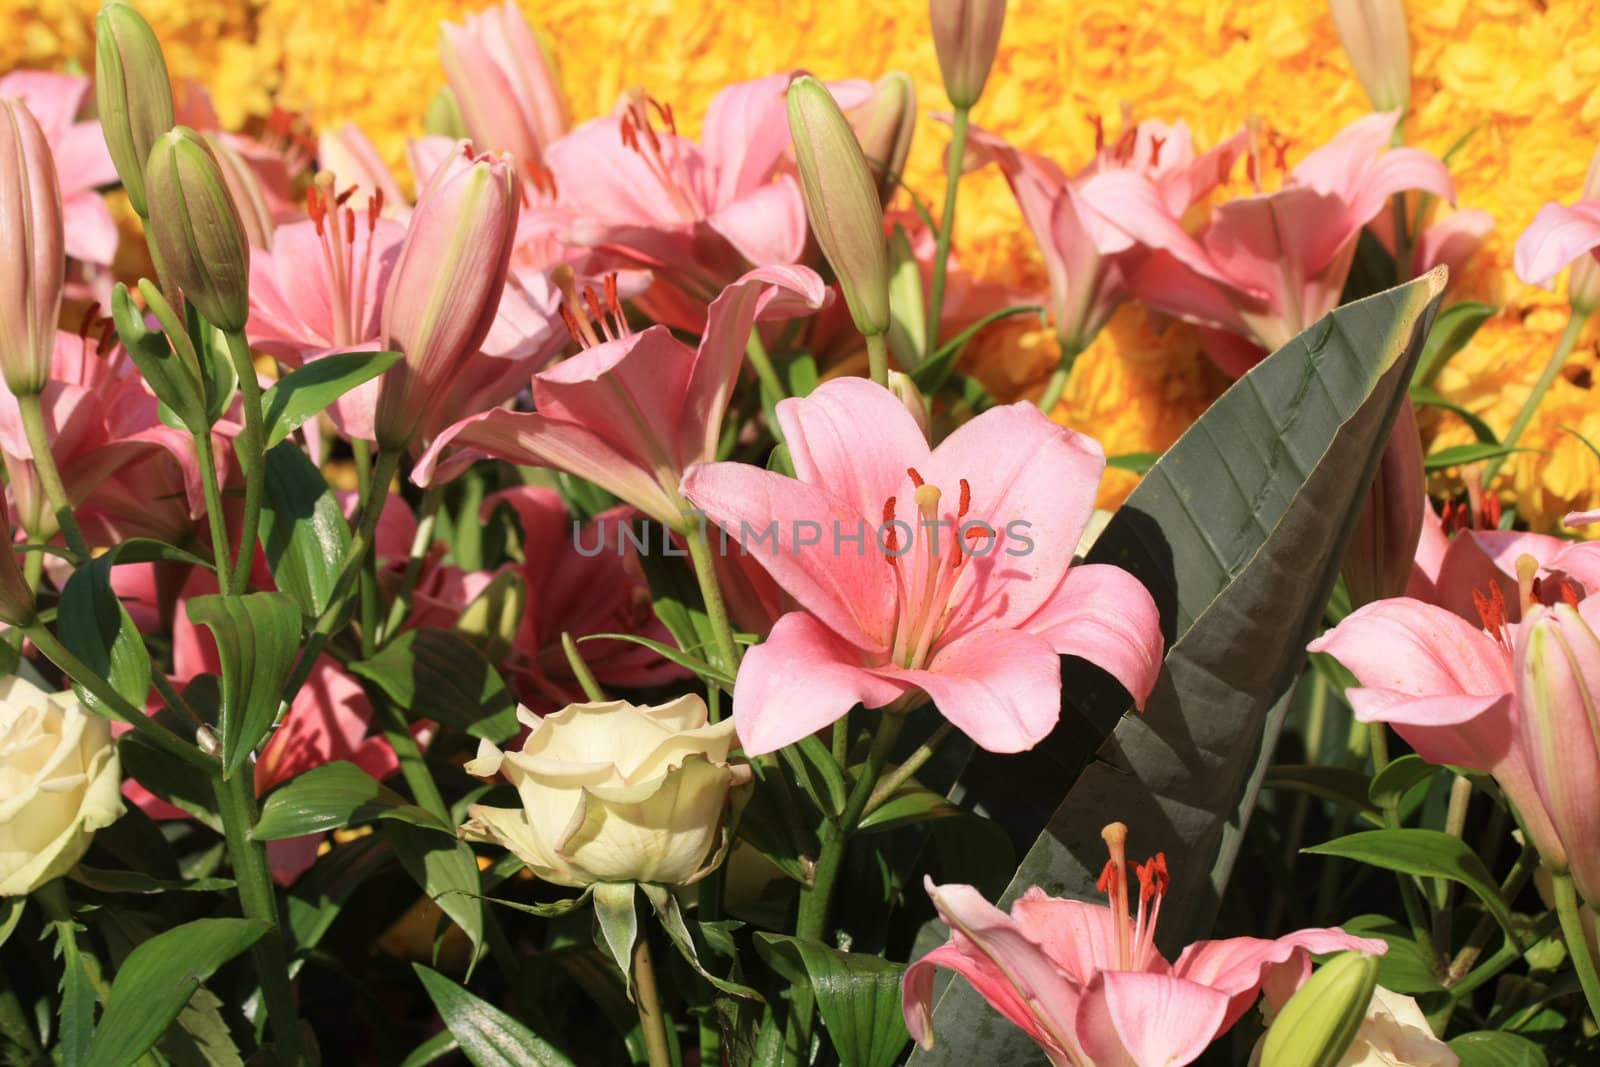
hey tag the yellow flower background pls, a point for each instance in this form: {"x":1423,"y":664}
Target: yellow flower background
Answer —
{"x":1522,"y":76}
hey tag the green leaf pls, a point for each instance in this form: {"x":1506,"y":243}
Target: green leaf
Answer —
{"x":257,"y":637}
{"x":447,"y":871}
{"x":10,"y":916}
{"x":908,"y":805}
{"x":333,"y":795}
{"x":551,"y":910}
{"x":1428,"y":398}
{"x":440,"y":675}
{"x":1345,"y":787}
{"x":1461,"y":455}
{"x":217,"y":371}
{"x":801,"y":373}
{"x":671,"y":916}
{"x":818,"y":774}
{"x":303,"y":529}
{"x":1406,"y":967}
{"x":303,"y":392}
{"x":144,"y":884}
{"x":689,"y":663}
{"x":77,"y":999}
{"x":200,"y":1037}
{"x":1237,"y":532}
{"x":432,"y":1050}
{"x":175,"y":384}
{"x":1137,"y":462}
{"x":933,"y":374}
{"x":181,"y":784}
{"x":675,"y":596}
{"x":1496,"y":1048}
{"x":857,"y":994}
{"x":1390,"y":785}
{"x":158,"y":978}
{"x":1426,"y":854}
{"x":1455,"y":326}
{"x":618,"y":920}
{"x":96,"y":628}
{"x":487,"y":1036}
{"x":322,"y":892}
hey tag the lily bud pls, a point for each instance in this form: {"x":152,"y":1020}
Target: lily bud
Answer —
{"x":1318,"y":1024}
{"x":504,"y":83}
{"x":1583,"y":282}
{"x":245,"y":190}
{"x":1374,"y":36}
{"x":32,"y":262}
{"x":132,"y":93}
{"x":16,"y":599}
{"x":1558,"y":690}
{"x":901,"y":385}
{"x":885,"y":131}
{"x":1378,"y":562}
{"x":445,"y":289}
{"x":443,"y":117}
{"x":966,"y":35}
{"x":842,"y":202}
{"x":195,"y":230}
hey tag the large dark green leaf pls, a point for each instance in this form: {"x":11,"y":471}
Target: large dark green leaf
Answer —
{"x":94,"y":625}
{"x":158,"y":978}
{"x":440,"y":675}
{"x":303,"y":530}
{"x":857,"y":994}
{"x":257,"y":637}
{"x":445,"y":869}
{"x":333,"y":795}
{"x":487,"y":1036}
{"x":1238,"y":532}
{"x":300,"y":394}
{"x":1496,"y":1048}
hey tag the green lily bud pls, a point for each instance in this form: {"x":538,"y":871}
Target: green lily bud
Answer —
{"x":443,"y":117}
{"x":195,"y":229}
{"x":966,"y":35}
{"x":132,"y":93}
{"x":907,"y":392}
{"x":886,"y":130}
{"x":16,"y":599}
{"x":842,"y":202}
{"x":1316,"y":1027}
{"x":1374,"y":36}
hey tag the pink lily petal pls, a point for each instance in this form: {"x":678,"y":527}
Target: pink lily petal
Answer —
{"x":91,"y":232}
{"x":1239,"y":966}
{"x":1417,"y":649}
{"x":767,"y":225}
{"x":1148,"y":1020}
{"x":1106,"y":616}
{"x":1079,"y":937}
{"x":1557,"y":236}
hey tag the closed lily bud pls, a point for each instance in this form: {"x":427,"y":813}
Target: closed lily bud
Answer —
{"x":445,"y":289}
{"x":195,"y":230}
{"x":443,"y":117}
{"x":901,"y":385}
{"x":842,"y":202}
{"x":132,"y":93}
{"x":966,"y":35}
{"x":885,"y":130}
{"x":1374,"y":36}
{"x":1319,"y":1023}
{"x":32,"y":260}
{"x":1558,"y":692}
{"x":504,"y":82}
{"x":1583,"y":281}
{"x":16,"y":599}
{"x":1378,"y":561}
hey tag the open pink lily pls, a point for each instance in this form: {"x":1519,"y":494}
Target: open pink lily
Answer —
{"x":1266,"y":266}
{"x":944,"y":570}
{"x":1559,"y":235}
{"x":696,"y":215}
{"x":632,"y":411}
{"x":1086,"y":286}
{"x":1086,"y":981}
{"x":82,"y":162}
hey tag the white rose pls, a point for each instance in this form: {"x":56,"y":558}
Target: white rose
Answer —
{"x":613,"y":792}
{"x":1395,"y":1033}
{"x":60,"y":781}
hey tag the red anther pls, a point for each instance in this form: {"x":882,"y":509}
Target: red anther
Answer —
{"x":592,"y":304}
{"x":966,"y":499}
{"x":1491,"y":512}
{"x":346,"y":195}
{"x":91,"y":315}
{"x":892,"y":539}
{"x":349,"y":226}
{"x":108,"y":336}
{"x":916,"y":479}
{"x":1155,"y":149}
{"x":1153,"y":877}
{"x":1099,"y":131}
{"x":1491,"y":611}
{"x":466,"y":150}
{"x":572,"y":324}
{"x":630,"y":139}
{"x":1108,"y":878}
{"x":612,"y":300}
{"x":1280,"y":149}
{"x":1250,"y":168}
{"x":315,"y":208}
{"x":374,"y":210}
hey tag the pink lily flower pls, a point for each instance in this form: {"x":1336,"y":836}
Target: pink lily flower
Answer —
{"x":1267,"y":266}
{"x":83,"y":164}
{"x":277,"y":158}
{"x":1558,"y":236}
{"x":504,"y":83}
{"x":1087,"y":983}
{"x":633,"y":411}
{"x":1086,"y":286}
{"x":696,"y":215}
{"x":976,"y":613}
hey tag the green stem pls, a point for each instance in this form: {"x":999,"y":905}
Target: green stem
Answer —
{"x":1057,"y":384}
{"x":580,"y":669}
{"x":1402,"y":238}
{"x":651,"y":1021}
{"x":1558,"y":358}
{"x":259,"y":901}
{"x":112,"y":703}
{"x":705,"y":572}
{"x":251,"y":448}
{"x":913,"y":763}
{"x":44,"y":462}
{"x":1515,"y":879}
{"x":426,"y":522}
{"x":772,"y":388}
{"x":947,"y":222}
{"x":1577,"y":940}
{"x":878,"y":358}
{"x":206,"y":458}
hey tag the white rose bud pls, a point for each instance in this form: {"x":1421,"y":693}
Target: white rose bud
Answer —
{"x":60,"y":781}
{"x":613,"y":792}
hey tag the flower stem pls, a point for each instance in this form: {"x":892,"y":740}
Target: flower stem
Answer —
{"x":1577,"y":940}
{"x":1057,"y":384}
{"x":772,"y":388}
{"x":947,"y":224}
{"x":219,"y":528}
{"x":651,"y":1021}
{"x":44,"y":461}
{"x":878,"y":358}
{"x":427,"y":519}
{"x":259,"y":901}
{"x":913,"y":763}
{"x":1558,"y":358}
{"x":705,"y":572}
{"x":251,"y":448}
{"x":580,"y":669}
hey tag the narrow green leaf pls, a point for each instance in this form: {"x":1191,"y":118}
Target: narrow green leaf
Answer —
{"x":488,"y":1037}
{"x":1455,"y":326}
{"x":551,"y":910}
{"x":1137,"y":462}
{"x":440,"y":675}
{"x":681,"y":658}
{"x":618,"y":920}
{"x":10,"y":915}
{"x":322,"y":892}
{"x":96,"y":628}
{"x":858,"y":996}
{"x":158,"y":978}
{"x":1345,"y":787}
{"x":303,"y":529}
{"x":1461,"y":455}
{"x":257,"y":637}
{"x":143,"y":884}
{"x":801,"y":372}
{"x":1390,"y":785}
{"x":671,"y":916}
{"x":447,"y":871}
{"x":175,"y":384}
{"x":200,"y":1036}
{"x":77,"y":999}
{"x":936,"y":371}
{"x":1426,"y":854}
{"x":303,"y":392}
{"x":432,"y":1050}
{"x":331,"y":796}
{"x":1428,"y":398}
{"x":910,"y":804}
{"x":1496,"y":1048}
{"x":818,"y":774}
